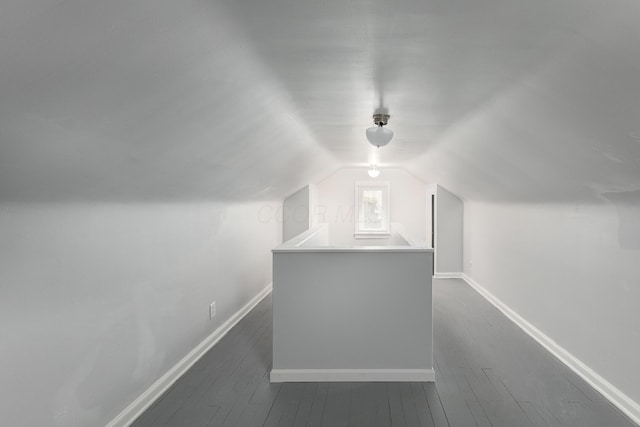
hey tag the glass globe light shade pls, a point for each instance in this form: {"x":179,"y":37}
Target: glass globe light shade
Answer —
{"x":379,"y":136}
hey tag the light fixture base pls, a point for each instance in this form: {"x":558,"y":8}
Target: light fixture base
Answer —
{"x":380,"y":119}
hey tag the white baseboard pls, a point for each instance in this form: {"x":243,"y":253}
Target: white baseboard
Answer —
{"x":352,"y":375}
{"x":146,"y":399}
{"x":608,"y":390}
{"x":447,"y":276}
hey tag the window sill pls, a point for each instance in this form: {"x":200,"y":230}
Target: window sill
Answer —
{"x":372,"y":235}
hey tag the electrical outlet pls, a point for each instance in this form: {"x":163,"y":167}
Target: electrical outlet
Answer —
{"x":212,"y":310}
{"x":470,"y":265}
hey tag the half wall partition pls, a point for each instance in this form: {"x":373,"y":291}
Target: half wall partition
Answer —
{"x":351,"y":313}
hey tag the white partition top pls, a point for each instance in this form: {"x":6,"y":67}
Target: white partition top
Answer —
{"x":317,"y":240}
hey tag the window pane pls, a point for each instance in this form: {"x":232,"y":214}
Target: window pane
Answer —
{"x":371,"y":203}
{"x":371,"y":210}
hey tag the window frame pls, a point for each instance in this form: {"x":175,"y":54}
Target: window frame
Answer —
{"x":360,"y":232}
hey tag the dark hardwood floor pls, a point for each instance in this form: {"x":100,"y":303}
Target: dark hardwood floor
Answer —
{"x":488,"y":374}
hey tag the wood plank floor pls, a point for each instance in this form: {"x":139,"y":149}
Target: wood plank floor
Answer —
{"x":488,"y":374}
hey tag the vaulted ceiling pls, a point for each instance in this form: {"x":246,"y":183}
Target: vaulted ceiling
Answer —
{"x":505,"y":100}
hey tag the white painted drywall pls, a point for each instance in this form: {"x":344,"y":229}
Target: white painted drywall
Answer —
{"x":336,"y":205}
{"x":296,"y":213}
{"x":314,"y":237}
{"x":97,"y":301}
{"x":146,"y":99}
{"x":571,"y":270}
{"x":449,"y":226}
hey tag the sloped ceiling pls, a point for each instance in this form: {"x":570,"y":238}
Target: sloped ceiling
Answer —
{"x":244,"y":99}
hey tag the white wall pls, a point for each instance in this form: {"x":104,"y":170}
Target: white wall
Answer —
{"x":296,"y":212}
{"x":449,"y":225}
{"x":573,"y":271}
{"x":336,"y":205}
{"x":352,"y":314}
{"x":99,"y":301}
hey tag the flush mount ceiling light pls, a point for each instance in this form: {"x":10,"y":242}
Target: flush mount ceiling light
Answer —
{"x":378,"y":135}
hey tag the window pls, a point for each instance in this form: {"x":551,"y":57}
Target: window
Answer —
{"x":372,"y":209}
